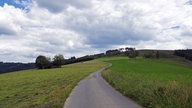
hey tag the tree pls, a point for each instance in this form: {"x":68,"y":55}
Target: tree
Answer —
{"x":43,"y":62}
{"x":58,"y":60}
{"x":73,"y":58}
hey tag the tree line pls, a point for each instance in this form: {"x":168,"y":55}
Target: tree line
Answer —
{"x":127,"y":51}
{"x":11,"y":67}
{"x":43,"y":62}
{"x":186,"y":53}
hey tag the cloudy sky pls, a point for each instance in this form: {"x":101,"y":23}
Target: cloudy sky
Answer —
{"x":29,"y":28}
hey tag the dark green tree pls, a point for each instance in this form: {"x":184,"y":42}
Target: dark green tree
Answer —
{"x":43,"y":62}
{"x":58,"y":60}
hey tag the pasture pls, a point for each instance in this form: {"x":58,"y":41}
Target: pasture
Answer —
{"x":154,"y":83}
{"x":47,"y":88}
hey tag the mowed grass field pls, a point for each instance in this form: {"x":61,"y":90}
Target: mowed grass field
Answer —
{"x":43,"y":88}
{"x":153,"y":83}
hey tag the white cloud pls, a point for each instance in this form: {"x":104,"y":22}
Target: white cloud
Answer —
{"x":8,"y":25}
{"x":56,"y":6}
{"x":40,"y":32}
{"x":74,"y":27}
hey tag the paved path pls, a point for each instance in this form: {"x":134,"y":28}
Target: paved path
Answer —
{"x":95,"y":92}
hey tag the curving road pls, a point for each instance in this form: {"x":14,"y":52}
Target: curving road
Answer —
{"x":95,"y":92}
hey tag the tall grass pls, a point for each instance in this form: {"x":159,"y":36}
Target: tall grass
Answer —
{"x":152,"y":83}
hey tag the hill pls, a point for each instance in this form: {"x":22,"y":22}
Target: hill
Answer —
{"x":154,"y":83}
{"x":11,"y":67}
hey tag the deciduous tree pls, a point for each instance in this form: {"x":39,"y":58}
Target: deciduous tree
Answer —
{"x":43,"y":62}
{"x":58,"y":60}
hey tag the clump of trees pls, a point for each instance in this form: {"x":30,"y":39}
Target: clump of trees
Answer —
{"x":187,"y":54}
{"x":122,"y":52}
{"x":80,"y":59}
{"x":128,"y":51}
{"x":114,"y":52}
{"x":43,"y":62}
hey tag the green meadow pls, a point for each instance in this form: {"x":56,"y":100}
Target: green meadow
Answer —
{"x":43,"y":88}
{"x":153,"y":83}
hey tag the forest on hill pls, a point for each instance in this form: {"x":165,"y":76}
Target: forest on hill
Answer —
{"x":11,"y":67}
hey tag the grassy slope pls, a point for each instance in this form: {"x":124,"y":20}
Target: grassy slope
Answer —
{"x":153,"y":83}
{"x":43,"y":88}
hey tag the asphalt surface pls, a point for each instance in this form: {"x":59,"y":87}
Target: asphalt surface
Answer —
{"x":95,"y":92}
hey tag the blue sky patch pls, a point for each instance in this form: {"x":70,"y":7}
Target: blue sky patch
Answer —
{"x":13,"y":3}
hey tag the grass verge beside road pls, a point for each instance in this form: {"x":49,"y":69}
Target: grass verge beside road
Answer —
{"x":154,"y":83}
{"x":43,"y":88}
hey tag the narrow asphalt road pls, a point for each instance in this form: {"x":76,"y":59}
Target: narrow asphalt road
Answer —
{"x":95,"y":92}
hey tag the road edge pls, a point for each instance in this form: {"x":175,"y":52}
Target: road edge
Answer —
{"x":101,"y":70}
